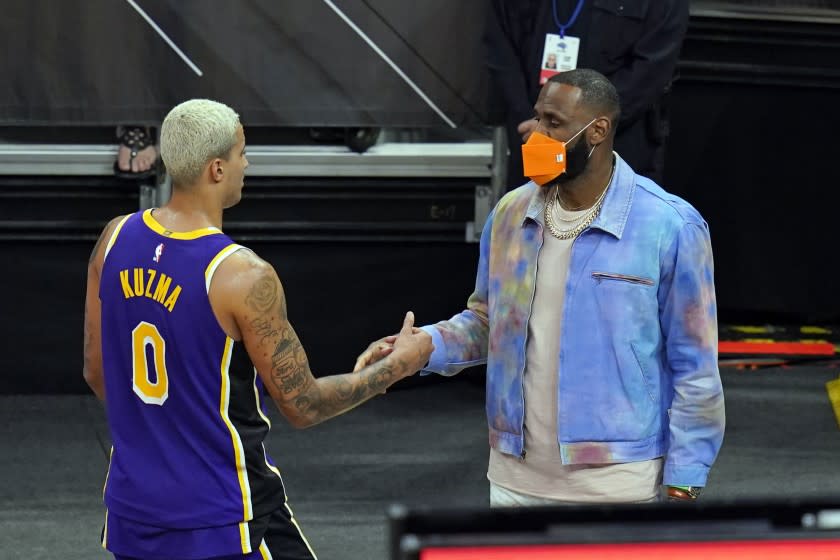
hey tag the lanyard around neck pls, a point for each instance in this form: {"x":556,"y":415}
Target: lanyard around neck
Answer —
{"x":572,"y":19}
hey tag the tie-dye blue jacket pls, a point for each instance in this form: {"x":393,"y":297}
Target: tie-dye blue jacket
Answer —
{"x":638,"y":373}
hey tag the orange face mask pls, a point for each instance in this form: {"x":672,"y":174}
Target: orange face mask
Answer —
{"x":544,"y":158}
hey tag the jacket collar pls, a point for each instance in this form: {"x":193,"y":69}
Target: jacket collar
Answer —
{"x":616,"y":206}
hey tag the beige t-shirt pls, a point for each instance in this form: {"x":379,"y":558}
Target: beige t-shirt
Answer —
{"x":542,"y":472}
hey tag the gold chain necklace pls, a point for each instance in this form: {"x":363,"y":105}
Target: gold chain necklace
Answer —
{"x":575,"y":218}
{"x":571,"y":233}
{"x":586,"y":219}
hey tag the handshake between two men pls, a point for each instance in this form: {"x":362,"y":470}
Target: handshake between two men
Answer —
{"x":411,"y":348}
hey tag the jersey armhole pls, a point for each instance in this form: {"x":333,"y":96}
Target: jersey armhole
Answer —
{"x":216,"y":261}
{"x":114,"y":235}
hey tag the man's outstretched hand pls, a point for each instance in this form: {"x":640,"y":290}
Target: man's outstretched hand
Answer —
{"x":377,"y":350}
{"x":411,"y":336}
{"x":413,"y":345}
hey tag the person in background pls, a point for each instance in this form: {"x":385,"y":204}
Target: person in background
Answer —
{"x":137,"y":153}
{"x":636,"y":45}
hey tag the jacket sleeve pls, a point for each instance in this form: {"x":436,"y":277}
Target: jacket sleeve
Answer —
{"x":461,"y":341}
{"x":688,"y":316}
{"x":504,"y":64}
{"x":642,"y":81}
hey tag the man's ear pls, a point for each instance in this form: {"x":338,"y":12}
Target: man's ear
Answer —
{"x":216,"y":170}
{"x":601,"y":129}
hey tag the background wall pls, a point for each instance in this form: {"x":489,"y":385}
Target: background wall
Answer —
{"x":286,"y":63}
{"x":753,"y":147}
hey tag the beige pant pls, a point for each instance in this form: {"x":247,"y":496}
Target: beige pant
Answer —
{"x":502,"y":497}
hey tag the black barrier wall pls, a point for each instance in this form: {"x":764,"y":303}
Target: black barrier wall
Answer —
{"x":352,"y":259}
{"x":340,"y":299}
{"x":753,"y":150}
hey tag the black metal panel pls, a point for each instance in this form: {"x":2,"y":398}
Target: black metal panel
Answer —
{"x":280,"y":63}
{"x":751,"y":146}
{"x":353,"y":209}
{"x":353,"y":254}
{"x":389,"y":210}
{"x":51,"y":209}
{"x":761,"y":52}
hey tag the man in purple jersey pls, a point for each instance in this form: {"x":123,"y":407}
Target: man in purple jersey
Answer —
{"x":185,"y":332}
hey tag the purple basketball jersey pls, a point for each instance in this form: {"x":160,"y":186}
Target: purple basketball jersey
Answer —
{"x":184,"y":402}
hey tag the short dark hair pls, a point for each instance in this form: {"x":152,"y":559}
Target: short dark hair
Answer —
{"x":597,"y":92}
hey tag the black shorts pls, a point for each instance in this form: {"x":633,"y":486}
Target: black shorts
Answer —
{"x":276,"y":537}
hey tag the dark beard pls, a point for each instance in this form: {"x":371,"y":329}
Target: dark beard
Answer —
{"x":577,"y":158}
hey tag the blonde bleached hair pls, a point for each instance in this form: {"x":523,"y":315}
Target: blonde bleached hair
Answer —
{"x":193,"y":133}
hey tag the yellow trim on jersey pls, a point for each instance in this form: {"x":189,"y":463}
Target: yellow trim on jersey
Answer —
{"x":302,"y":536}
{"x":155,"y":226}
{"x":239,"y":453}
{"x":108,"y":472}
{"x":259,"y":402}
{"x":245,"y":537}
{"x":105,"y":532}
{"x":271,"y":467}
{"x":264,"y":552}
{"x":216,"y":261}
{"x":114,"y":235}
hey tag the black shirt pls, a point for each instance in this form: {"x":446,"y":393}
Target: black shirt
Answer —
{"x":634,"y":43}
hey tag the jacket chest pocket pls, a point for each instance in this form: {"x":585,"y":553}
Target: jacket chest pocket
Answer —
{"x":614,"y":276}
{"x":627,"y":303}
{"x":618,"y":24}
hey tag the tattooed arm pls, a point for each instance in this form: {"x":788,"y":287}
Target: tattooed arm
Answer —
{"x":258,"y":308}
{"x":92,"y":369}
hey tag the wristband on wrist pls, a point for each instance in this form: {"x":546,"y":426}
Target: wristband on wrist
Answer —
{"x":684,"y":492}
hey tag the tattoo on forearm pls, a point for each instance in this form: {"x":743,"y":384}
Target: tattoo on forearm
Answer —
{"x":381,"y":378}
{"x":288,"y":374}
{"x":304,"y":404}
{"x":343,"y":390}
{"x":333,"y":395}
{"x":315,"y":400}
